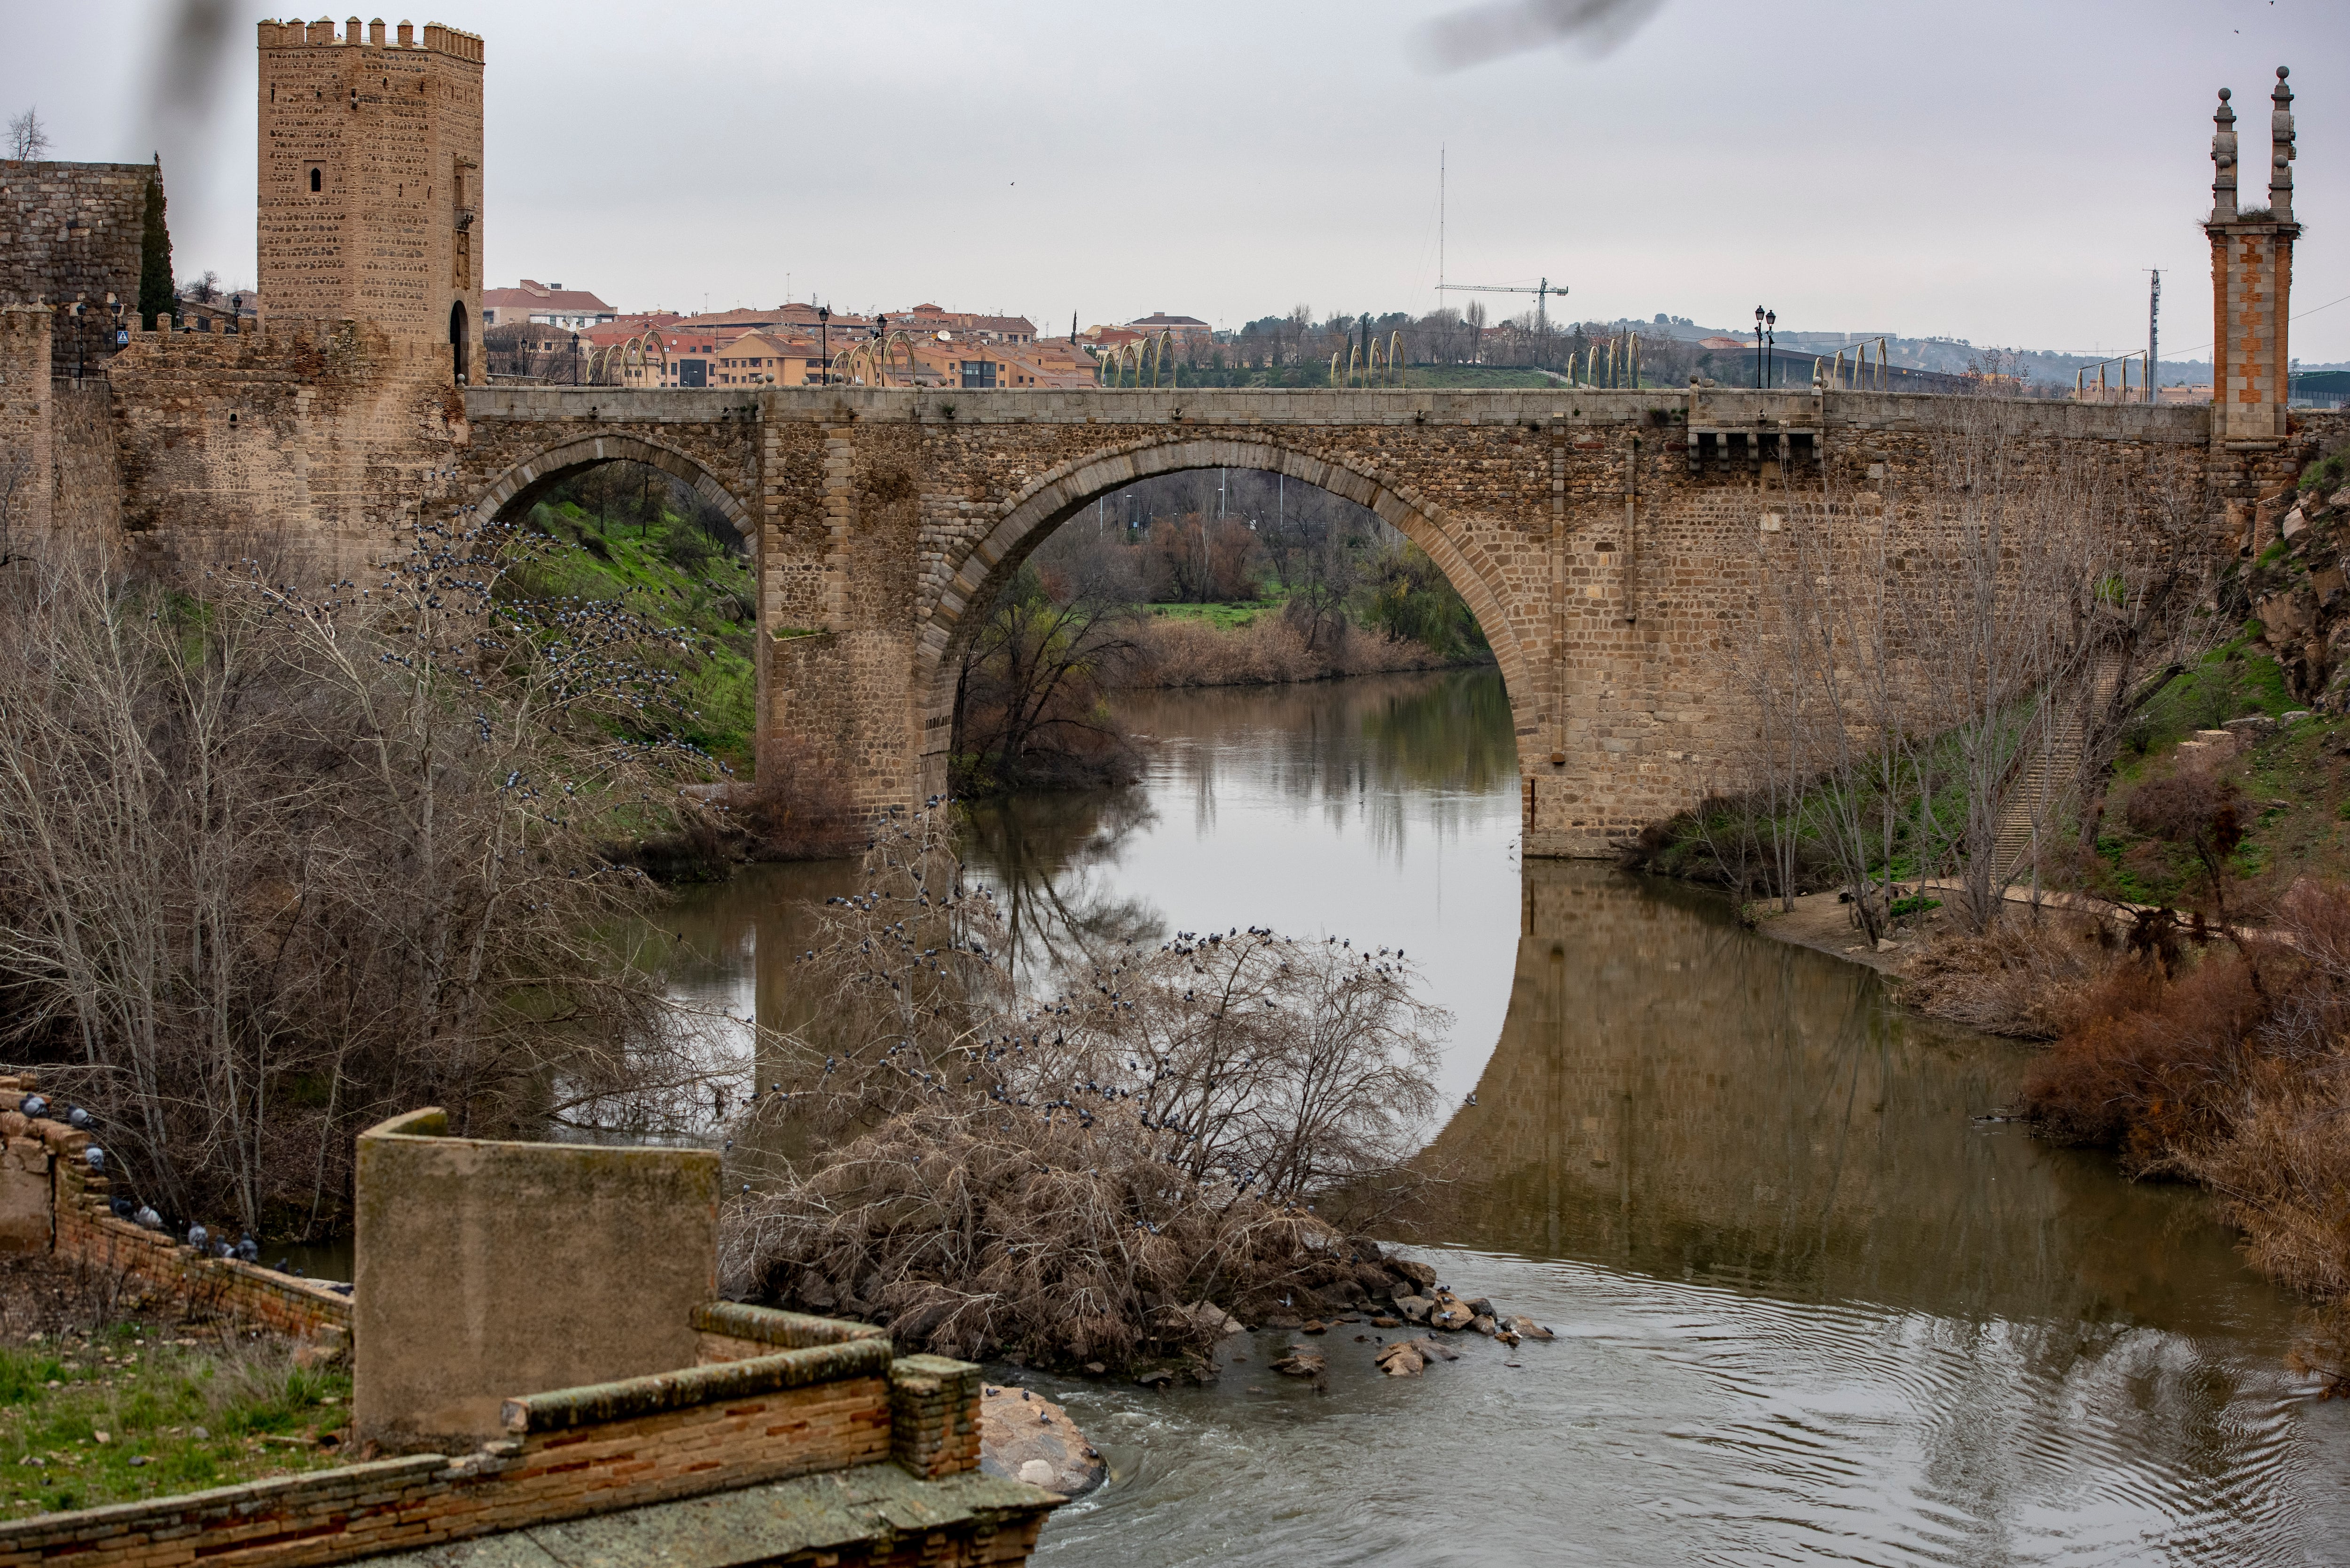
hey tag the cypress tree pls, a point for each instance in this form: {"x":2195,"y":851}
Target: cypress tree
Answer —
{"x":155,"y":295}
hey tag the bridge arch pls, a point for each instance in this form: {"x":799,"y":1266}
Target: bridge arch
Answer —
{"x":520,"y":487}
{"x":1032,"y":517}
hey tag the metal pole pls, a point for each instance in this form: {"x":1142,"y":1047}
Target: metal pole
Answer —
{"x":2153,"y":336}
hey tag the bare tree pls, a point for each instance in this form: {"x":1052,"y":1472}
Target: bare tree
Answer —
{"x":992,"y":1167}
{"x":27,"y":139}
{"x":276,"y":864}
{"x":1937,"y":680}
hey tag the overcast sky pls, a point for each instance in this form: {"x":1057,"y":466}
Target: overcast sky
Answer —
{"x":2003,"y":172}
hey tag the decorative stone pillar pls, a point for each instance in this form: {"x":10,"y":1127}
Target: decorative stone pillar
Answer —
{"x":2252,"y":285}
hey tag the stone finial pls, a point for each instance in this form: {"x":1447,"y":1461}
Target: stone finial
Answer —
{"x":2281,"y":150}
{"x":2223,"y":161}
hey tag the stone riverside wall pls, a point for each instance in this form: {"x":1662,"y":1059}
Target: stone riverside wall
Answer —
{"x":71,"y":232}
{"x":1607,"y":541}
{"x":50,"y":1202}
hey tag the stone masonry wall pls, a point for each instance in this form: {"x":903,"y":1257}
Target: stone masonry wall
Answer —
{"x":309,"y":447}
{"x":70,"y":232}
{"x":27,"y":443}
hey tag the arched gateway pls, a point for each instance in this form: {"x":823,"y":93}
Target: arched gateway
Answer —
{"x":1606,"y":541}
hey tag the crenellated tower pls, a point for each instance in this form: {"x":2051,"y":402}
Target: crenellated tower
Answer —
{"x":370,"y":190}
{"x":2252,"y":281}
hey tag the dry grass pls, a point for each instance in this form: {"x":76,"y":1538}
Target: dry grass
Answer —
{"x":1068,"y":1171}
{"x":2028,"y":982}
{"x":1269,"y":649}
{"x":2233,"y":1071}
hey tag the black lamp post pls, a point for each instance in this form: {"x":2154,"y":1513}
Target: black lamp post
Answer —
{"x":1758,"y":347}
{"x":824,"y":342}
{"x":235,"y":312}
{"x":1770,"y":346}
{"x":575,"y":358}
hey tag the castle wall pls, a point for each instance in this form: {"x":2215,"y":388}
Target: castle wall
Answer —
{"x":71,"y":232}
{"x":306,"y":444}
{"x":87,"y":489}
{"x":26,"y":441}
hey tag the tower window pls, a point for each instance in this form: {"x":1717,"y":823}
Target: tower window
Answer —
{"x":314,"y":180}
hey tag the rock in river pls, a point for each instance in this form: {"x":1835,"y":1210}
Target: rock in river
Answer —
{"x":1025,"y":1437}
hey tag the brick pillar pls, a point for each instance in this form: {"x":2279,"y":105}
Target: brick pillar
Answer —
{"x":934,"y":1415}
{"x":2251,"y":283}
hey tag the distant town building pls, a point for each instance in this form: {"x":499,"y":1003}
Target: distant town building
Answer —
{"x":547,"y":303}
{"x":1189,"y":330}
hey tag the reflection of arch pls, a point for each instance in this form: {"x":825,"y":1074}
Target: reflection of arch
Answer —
{"x":521,"y":486}
{"x":1032,"y":515}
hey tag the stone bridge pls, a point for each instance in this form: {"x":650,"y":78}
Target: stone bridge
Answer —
{"x":1606,"y":541}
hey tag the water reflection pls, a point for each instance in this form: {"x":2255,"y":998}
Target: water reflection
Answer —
{"x":1809,"y":1309}
{"x":1672,"y":1094}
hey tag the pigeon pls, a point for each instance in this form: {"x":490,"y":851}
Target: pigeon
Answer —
{"x":1471,"y":1099}
{"x":146,"y":1218}
{"x":198,"y":1236}
{"x":95,"y":1158}
{"x":247,"y":1249}
{"x":33,"y":1106}
{"x":80,"y":1119}
{"x":122,"y":1208}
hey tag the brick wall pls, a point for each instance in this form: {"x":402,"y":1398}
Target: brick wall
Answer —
{"x":76,"y":1220}
{"x":69,"y":232}
{"x":934,"y":1415}
{"x":572,"y":1453}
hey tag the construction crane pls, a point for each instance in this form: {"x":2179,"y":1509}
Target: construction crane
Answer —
{"x":1541,"y":292}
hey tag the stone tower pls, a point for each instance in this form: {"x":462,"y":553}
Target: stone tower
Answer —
{"x":370,"y":194}
{"x":2251,"y":282}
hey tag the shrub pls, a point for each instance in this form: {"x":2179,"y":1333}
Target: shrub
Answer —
{"x":990,"y":1170}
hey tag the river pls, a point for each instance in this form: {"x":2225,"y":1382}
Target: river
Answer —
{"x":1809,"y":1309}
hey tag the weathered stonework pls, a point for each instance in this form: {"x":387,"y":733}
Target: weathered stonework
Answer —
{"x":27,"y":428}
{"x":69,"y":233}
{"x":1605,"y":540}
{"x":370,"y":182}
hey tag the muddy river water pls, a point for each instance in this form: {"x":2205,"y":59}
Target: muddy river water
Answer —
{"x":1809,"y":1309}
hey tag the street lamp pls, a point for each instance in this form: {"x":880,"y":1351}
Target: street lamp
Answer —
{"x":824,"y":342}
{"x":1770,"y":346}
{"x":575,"y":358}
{"x":1758,"y":347}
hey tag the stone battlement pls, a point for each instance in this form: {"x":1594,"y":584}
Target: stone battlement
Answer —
{"x":437,"y":38}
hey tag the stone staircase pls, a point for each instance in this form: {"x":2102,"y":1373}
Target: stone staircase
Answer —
{"x":2047,"y":778}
